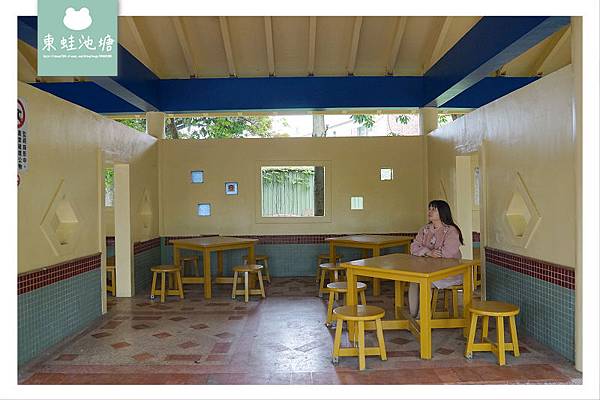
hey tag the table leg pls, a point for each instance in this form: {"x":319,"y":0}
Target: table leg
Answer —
{"x":467,"y":294}
{"x":425,"y":318}
{"x":219,"y":263}
{"x":351,"y":300}
{"x":207,"y":279}
{"x":398,"y":298}
{"x":332,"y":252}
{"x":376,"y":281}
{"x":251,"y":256}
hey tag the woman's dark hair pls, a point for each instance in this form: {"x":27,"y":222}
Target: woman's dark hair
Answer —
{"x":445,"y":215}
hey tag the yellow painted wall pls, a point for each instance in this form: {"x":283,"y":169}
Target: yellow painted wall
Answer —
{"x":476,"y":207}
{"x":529,"y":132}
{"x":109,"y":221}
{"x":390,"y":206}
{"x":64,"y":142}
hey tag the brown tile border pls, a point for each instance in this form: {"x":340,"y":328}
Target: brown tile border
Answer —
{"x":139,"y":247}
{"x":32,"y":280}
{"x":549,"y":272}
{"x":291,"y":239}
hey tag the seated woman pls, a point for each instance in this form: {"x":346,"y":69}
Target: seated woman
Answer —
{"x":441,"y":237}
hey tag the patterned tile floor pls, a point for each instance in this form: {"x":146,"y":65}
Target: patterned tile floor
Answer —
{"x":279,"y":340}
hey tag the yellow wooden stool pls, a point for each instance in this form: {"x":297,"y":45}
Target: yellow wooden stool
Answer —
{"x":324,"y":258}
{"x":246,"y":270}
{"x":487,"y":309}
{"x":111,"y":283}
{"x":164,"y":271}
{"x":264,"y":260}
{"x":334,"y":271}
{"x":359,"y":314}
{"x":342,"y":287}
{"x":194,"y":260}
{"x":476,"y":283}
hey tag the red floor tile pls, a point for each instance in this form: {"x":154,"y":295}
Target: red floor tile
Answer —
{"x":162,"y":335}
{"x":221,"y":347}
{"x":142,"y":357}
{"x":188,"y":344}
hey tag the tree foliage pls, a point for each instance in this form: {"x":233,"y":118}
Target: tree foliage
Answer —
{"x":218,"y":127}
{"x":209,"y":127}
{"x":139,"y":124}
{"x":363,"y":119}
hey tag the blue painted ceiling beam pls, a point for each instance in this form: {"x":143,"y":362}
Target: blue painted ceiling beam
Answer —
{"x":491,"y":43}
{"x":486,"y":91}
{"x":134,"y":84}
{"x":194,"y":95}
{"x":89,"y":95}
{"x":179,"y":95}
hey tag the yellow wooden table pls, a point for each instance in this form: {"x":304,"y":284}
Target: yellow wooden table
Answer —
{"x":422,"y":270}
{"x":369,"y":242}
{"x":206,"y":245}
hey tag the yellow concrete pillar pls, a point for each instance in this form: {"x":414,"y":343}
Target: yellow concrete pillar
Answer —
{"x":155,"y":124}
{"x":428,"y":120}
{"x":123,"y":232}
{"x":576,"y":64}
{"x":463,"y":212}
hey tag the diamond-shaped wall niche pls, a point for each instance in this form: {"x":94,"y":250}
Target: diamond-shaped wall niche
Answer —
{"x":62,"y":223}
{"x":521,"y":214}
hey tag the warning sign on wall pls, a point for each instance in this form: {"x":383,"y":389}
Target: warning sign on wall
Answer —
{"x":22,"y":152}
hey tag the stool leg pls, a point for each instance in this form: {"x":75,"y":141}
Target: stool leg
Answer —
{"x":235,"y":279}
{"x":501,"y":346}
{"x":330,"y":308}
{"x":262,"y":287}
{"x":153,"y":287}
{"x":318,"y":275}
{"x":162,"y":287}
{"x":246,"y":288}
{"x":455,"y":303}
{"x":382,"y":352}
{"x":337,"y":340}
{"x":446,"y":306}
{"x":267,"y":274}
{"x":485,"y":327}
{"x":322,"y":282}
{"x":471,"y":338}
{"x":363,"y":298}
{"x":434,"y":300}
{"x":179,"y":284}
{"x":361,"y":345}
{"x":513,"y":336}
